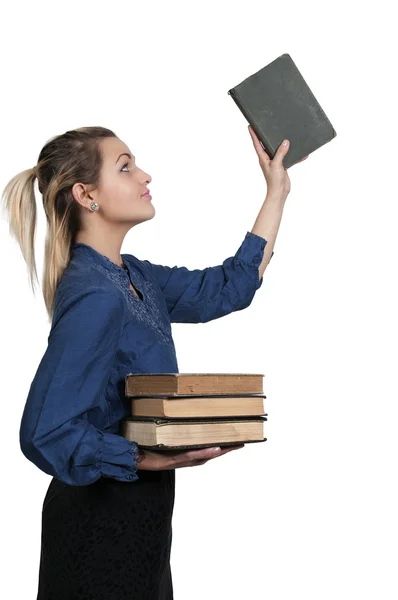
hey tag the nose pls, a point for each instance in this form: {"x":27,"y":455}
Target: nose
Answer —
{"x":147,"y":177}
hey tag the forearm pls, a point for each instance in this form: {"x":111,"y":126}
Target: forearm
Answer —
{"x":267,"y":224}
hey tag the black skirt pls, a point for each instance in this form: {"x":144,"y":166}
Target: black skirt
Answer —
{"x":109,"y":540}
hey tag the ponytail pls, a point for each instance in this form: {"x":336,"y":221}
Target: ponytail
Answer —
{"x":66,"y":159}
{"x":20,"y":203}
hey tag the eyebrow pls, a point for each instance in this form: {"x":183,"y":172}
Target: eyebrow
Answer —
{"x":126,"y":154}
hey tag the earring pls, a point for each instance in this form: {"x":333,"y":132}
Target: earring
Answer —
{"x":94,"y":206}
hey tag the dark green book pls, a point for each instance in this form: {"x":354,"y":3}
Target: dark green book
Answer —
{"x":277,"y":102}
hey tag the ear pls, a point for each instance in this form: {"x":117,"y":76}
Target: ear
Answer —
{"x":81,"y":194}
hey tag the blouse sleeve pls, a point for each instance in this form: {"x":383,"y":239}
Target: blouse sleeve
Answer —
{"x":198,"y":296}
{"x":70,"y":381}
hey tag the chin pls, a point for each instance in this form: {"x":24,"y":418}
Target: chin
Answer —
{"x":149,"y":214}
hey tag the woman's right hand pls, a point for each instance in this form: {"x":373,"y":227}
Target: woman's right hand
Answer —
{"x":275,"y":174}
{"x":171,"y":459}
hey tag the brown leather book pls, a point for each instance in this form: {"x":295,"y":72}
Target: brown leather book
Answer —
{"x":188,"y":384}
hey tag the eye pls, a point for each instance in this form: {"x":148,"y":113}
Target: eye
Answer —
{"x":125,"y":165}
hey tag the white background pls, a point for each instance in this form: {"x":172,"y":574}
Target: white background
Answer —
{"x":312,"y":512}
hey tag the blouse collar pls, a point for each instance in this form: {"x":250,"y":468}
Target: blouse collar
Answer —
{"x":88,"y":252}
{"x":120,"y":275}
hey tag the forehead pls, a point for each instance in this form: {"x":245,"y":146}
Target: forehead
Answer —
{"x":112,"y":147}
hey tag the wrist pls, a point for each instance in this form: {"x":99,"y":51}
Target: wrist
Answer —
{"x":277,"y":199}
{"x":141,"y":454}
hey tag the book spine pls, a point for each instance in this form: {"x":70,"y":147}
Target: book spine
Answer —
{"x":249,"y":118}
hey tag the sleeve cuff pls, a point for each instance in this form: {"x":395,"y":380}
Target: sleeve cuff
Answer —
{"x":118,"y":458}
{"x":251,"y":253}
{"x":252,"y":249}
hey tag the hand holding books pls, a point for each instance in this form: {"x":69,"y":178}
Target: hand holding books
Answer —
{"x":162,"y":461}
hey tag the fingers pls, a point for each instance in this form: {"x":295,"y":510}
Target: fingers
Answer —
{"x":200,"y":456}
{"x":205,"y":453}
{"x":195,"y":455}
{"x":222,"y":451}
{"x":208,"y":453}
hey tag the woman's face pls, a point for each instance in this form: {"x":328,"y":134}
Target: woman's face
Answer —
{"x":121,"y":185}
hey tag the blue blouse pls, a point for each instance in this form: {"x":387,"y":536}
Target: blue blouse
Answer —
{"x":101,"y":331}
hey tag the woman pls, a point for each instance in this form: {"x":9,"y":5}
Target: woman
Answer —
{"x":106,"y":519}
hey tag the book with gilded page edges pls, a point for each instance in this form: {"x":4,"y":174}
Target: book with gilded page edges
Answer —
{"x":278,"y":103}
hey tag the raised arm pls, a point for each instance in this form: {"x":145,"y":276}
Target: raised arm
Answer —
{"x":201,"y":295}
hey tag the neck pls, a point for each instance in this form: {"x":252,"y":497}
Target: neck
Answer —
{"x":106,"y":243}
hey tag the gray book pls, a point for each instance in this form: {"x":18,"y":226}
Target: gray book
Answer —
{"x":277,"y":102}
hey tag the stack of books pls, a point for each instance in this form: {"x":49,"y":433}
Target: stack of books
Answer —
{"x":174,"y":411}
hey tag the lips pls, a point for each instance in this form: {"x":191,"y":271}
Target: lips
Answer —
{"x":147,"y":193}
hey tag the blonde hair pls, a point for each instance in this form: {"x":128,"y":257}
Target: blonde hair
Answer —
{"x":64,"y":160}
